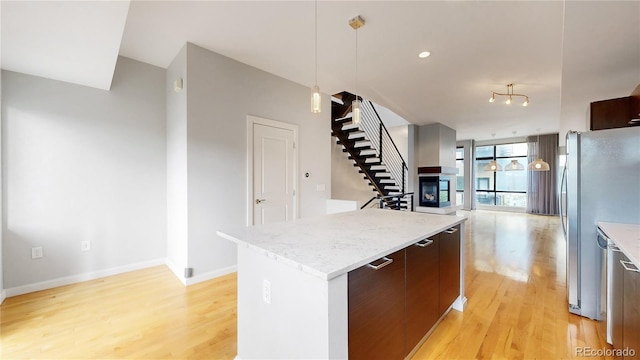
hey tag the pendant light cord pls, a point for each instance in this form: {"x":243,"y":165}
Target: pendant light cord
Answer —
{"x":316,"y":29}
{"x":356,"y":64}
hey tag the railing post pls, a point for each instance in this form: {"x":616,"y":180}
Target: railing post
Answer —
{"x":403,"y":166}
{"x":380,"y":139}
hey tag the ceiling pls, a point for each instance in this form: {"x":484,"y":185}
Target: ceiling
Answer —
{"x":562,"y":54}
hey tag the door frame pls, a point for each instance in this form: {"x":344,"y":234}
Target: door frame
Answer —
{"x":251,"y":121}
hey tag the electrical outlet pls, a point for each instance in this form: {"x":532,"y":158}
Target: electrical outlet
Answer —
{"x":266,"y":291}
{"x":85,"y":245}
{"x":36,"y":252}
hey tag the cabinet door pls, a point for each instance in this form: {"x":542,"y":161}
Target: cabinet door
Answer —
{"x":376,"y":309}
{"x":631,"y":305}
{"x":449,"y":268}
{"x":609,"y":114}
{"x":617,"y":295}
{"x":422,"y":280}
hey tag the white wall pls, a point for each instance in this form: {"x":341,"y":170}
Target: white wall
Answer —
{"x":221,"y":93}
{"x":177,"y":206}
{"x":346,"y":181}
{"x":83,"y":164}
{"x":400,"y":136}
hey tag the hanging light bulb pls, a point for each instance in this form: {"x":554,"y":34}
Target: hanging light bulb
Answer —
{"x":356,"y":117}
{"x":316,"y":98}
{"x":526,"y":102}
{"x":493,"y":166}
{"x":508,"y":102}
{"x":493,"y":98}
{"x":514,"y":165}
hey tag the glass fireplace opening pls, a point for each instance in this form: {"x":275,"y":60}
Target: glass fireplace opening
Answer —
{"x":434,"y":191}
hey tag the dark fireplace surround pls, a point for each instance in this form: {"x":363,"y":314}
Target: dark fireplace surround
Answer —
{"x":434,"y":186}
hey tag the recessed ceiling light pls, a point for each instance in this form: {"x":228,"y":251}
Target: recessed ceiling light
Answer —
{"x":424,"y":54}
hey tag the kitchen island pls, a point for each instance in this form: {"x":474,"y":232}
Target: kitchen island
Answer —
{"x":296,"y":279}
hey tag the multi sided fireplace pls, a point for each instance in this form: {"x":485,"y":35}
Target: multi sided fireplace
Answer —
{"x":434,"y":191}
{"x":434,"y":186}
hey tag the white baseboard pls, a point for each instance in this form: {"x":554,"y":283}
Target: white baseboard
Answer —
{"x":460,"y":304}
{"x":3,"y":295}
{"x":43,"y":285}
{"x":179,"y":273}
{"x":211,"y":275}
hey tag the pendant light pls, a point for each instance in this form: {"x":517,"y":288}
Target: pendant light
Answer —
{"x":356,"y":110}
{"x":316,"y":98}
{"x":514,"y":165}
{"x":538,"y":164}
{"x":493,"y":166}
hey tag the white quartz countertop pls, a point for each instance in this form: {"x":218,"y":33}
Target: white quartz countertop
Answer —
{"x":330,"y":245}
{"x":626,"y":236}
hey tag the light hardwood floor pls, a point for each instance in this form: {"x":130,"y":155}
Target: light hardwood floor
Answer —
{"x":515,"y":283}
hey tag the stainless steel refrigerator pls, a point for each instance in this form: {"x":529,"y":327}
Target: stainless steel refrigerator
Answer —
{"x":600,"y":182}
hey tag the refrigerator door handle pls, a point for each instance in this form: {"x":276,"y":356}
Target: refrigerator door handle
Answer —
{"x":563,"y":185}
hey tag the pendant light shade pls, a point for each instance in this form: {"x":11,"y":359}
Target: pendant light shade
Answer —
{"x":538,"y":165}
{"x":514,"y":165}
{"x":493,"y":166}
{"x":316,"y":100}
{"x":356,"y":116}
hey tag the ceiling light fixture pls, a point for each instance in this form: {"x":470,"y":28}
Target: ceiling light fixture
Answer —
{"x":509,"y":95}
{"x":356,"y":23}
{"x":424,"y":54}
{"x":316,"y":98}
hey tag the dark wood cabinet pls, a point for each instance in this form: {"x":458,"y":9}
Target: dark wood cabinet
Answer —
{"x":449,"y":267}
{"x":376,"y":309}
{"x":393,"y":307}
{"x":610,"y":114}
{"x":422,"y":290}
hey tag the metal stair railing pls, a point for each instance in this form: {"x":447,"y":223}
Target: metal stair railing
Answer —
{"x":397,"y":199}
{"x":381,"y":141}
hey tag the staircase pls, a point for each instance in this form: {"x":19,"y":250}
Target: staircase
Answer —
{"x":373,"y":151}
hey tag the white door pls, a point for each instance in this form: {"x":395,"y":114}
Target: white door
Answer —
{"x":273,"y":174}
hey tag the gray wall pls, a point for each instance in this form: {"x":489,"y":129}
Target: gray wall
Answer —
{"x":436,"y":146}
{"x":221,"y":93}
{"x":83,"y":164}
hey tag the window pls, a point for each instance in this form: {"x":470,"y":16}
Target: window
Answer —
{"x":502,"y":188}
{"x":460,"y":176}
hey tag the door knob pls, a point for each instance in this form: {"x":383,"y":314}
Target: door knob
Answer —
{"x":258,"y":201}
